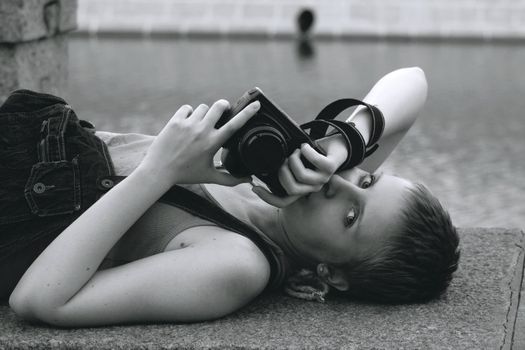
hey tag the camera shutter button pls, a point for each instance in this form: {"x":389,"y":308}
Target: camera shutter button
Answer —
{"x":263,"y":150}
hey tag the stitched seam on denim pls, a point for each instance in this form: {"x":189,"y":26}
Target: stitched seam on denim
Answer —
{"x":56,"y":213}
{"x":67,"y":211}
{"x":59,"y":137}
{"x":55,"y":136}
{"x":27,"y":191}
{"x":32,"y":203}
{"x":39,"y":151}
{"x":76,"y":183}
{"x":63,"y":125}
{"x":102,"y":147}
{"x":48,"y":152}
{"x":109,"y":163}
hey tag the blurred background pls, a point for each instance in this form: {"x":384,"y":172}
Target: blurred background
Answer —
{"x":129,"y":64}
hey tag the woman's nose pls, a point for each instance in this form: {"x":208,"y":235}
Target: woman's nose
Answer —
{"x":338,"y":185}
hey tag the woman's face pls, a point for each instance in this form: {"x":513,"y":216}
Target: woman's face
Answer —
{"x":348,"y":219}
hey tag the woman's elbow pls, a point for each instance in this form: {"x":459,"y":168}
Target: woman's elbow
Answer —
{"x":416,"y":91}
{"x":22,"y":307}
{"x":418,"y":81}
{"x":31,"y":310}
{"x":414,"y":73}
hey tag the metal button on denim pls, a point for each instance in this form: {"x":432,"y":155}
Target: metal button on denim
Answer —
{"x":39,"y":187}
{"x":107,"y":183}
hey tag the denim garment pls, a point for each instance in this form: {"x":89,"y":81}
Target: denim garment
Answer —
{"x":52,"y":168}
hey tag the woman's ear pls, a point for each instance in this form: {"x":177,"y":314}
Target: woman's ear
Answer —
{"x":334,"y":276}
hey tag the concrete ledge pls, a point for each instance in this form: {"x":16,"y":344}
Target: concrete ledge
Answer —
{"x":480,"y":311}
{"x":37,"y":65}
{"x":26,"y":20}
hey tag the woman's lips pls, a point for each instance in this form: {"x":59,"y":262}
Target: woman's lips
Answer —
{"x":311,"y":195}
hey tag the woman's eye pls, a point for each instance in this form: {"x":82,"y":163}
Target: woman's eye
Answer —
{"x":350,"y":217}
{"x":369,"y":180}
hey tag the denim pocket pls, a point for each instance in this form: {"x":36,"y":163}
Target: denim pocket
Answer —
{"x":53,"y":188}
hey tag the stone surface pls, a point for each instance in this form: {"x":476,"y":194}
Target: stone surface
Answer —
{"x":478,"y":312}
{"x":37,"y":65}
{"x":26,"y":20}
{"x":518,"y":340}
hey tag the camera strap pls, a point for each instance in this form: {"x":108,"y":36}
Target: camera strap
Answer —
{"x":358,"y":150}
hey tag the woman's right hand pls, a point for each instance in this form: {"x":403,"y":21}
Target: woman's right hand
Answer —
{"x":298,"y":180}
{"x":183,"y":151}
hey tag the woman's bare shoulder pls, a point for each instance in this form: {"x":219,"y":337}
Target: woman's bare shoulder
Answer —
{"x":218,"y":238}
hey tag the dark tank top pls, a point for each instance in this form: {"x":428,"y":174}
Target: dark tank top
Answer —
{"x":155,"y":229}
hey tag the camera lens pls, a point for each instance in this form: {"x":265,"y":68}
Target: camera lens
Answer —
{"x":263,"y":150}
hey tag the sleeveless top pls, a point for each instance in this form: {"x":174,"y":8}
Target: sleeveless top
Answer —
{"x":152,"y":232}
{"x":162,"y":222}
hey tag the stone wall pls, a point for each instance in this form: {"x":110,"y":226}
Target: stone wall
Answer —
{"x":383,"y":18}
{"x":33,"y":47}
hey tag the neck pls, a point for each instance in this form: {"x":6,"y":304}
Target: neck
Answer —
{"x":249,"y":208}
{"x":268,"y":219}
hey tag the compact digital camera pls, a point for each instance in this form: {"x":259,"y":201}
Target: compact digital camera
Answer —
{"x":261,"y":146}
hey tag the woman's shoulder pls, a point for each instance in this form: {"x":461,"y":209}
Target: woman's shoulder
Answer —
{"x":215,"y":237}
{"x":242,"y":257}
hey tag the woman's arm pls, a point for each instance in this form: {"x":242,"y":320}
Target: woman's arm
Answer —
{"x":400,"y":95}
{"x":181,"y":153}
{"x":200,"y":282}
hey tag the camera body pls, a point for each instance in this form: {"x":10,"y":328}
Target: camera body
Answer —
{"x":262,"y":145}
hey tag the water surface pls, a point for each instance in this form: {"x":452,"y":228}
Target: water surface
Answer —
{"x":467,"y":145}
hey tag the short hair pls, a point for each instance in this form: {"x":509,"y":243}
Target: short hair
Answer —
{"x":417,"y":263}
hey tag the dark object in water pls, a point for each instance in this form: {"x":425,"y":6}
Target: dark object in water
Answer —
{"x":305,"y":20}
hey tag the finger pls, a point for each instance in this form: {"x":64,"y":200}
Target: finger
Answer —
{"x":303,"y":174}
{"x":216,"y":111}
{"x":238,"y":121}
{"x":317,"y":159}
{"x":199,"y":112}
{"x":289,"y":182}
{"x":272,"y":199}
{"x":183,"y":112}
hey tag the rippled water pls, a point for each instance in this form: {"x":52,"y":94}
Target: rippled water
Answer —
{"x":467,"y":145}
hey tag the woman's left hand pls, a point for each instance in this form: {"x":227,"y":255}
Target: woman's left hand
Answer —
{"x":183,"y":151}
{"x":299,"y":180}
